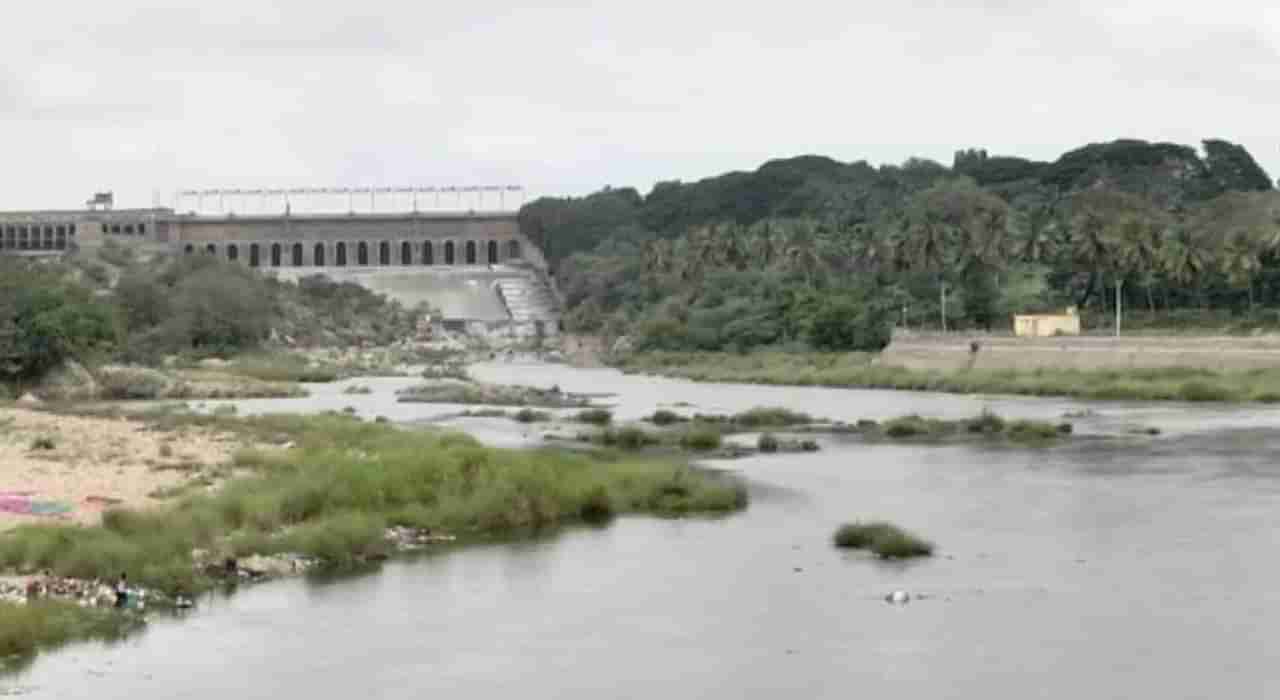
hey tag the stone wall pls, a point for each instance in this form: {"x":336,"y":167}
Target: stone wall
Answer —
{"x":955,"y":351}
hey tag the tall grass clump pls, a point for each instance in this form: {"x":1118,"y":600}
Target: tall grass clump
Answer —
{"x":529,"y":415}
{"x":987,"y":423}
{"x":763,"y":417}
{"x":282,"y":367}
{"x":856,"y":370}
{"x":627,"y":438}
{"x":594,"y":416}
{"x":914,"y":426}
{"x":46,"y":624}
{"x":332,"y":495}
{"x":767,"y":442}
{"x":1032,"y":430}
{"x":701,"y":438}
{"x":884,"y":539}
{"x":663,"y":417}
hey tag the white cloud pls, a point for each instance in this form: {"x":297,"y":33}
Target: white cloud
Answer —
{"x":567,"y":98}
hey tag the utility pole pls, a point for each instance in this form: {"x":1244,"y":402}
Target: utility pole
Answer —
{"x":944,"y":306}
{"x":1119,"y":285}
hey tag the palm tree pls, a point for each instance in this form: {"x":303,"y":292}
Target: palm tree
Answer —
{"x":1239,"y":259}
{"x":1186,"y":259}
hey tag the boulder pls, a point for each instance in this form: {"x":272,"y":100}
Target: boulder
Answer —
{"x":68,"y":382}
{"x":623,"y":344}
{"x":259,"y":565}
{"x":213,"y":363}
{"x":29,"y":399}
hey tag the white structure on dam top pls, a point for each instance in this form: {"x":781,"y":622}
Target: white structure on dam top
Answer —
{"x":392,"y":239}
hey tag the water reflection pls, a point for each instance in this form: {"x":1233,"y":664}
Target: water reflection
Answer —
{"x":1135,"y":569}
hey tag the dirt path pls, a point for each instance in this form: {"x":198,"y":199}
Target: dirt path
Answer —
{"x":67,"y":468}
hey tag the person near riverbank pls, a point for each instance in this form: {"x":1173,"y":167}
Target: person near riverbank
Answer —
{"x":122,"y":590}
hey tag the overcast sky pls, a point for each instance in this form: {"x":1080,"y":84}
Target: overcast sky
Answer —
{"x":144,"y":97}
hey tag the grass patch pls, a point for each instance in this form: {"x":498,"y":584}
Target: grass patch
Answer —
{"x":331,"y":495}
{"x":986,"y":426}
{"x":917,"y":426}
{"x":46,"y":624}
{"x":885,"y":540}
{"x":452,"y":370}
{"x":762,"y":417}
{"x":663,"y":417}
{"x":43,"y":442}
{"x":282,"y":367}
{"x":491,"y":394}
{"x":529,"y":415}
{"x":767,"y":442}
{"x":701,"y":438}
{"x":594,"y":416}
{"x":856,"y":370}
{"x":627,"y":438}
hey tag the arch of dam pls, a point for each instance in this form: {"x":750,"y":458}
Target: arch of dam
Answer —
{"x":472,"y":266}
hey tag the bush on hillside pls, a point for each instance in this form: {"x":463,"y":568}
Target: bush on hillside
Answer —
{"x":45,"y":319}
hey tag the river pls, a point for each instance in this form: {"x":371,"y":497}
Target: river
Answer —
{"x":1129,"y":568}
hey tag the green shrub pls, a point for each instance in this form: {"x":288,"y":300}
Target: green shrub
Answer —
{"x":1030,"y":430}
{"x":284,"y":367}
{"x":594,"y":416}
{"x":627,"y":438}
{"x":43,"y":442}
{"x":344,"y":481}
{"x":597,"y":506}
{"x":986,"y":423}
{"x":47,"y":320}
{"x":664,"y":417}
{"x":916,"y":426}
{"x":529,"y":415}
{"x":770,"y":418}
{"x":46,"y":624}
{"x":767,"y":442}
{"x":901,"y":545}
{"x":886,"y":540}
{"x":700,"y":438}
{"x":1204,"y":391}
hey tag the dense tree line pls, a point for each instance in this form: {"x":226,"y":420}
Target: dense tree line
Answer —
{"x":196,"y":306}
{"x":749,"y":259}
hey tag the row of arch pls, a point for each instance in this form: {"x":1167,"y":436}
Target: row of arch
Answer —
{"x":30,"y":238}
{"x":364,"y":254}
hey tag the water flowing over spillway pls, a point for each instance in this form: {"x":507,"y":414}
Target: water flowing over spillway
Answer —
{"x":1137,"y":568}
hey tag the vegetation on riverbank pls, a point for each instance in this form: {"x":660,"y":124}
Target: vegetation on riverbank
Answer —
{"x":332,"y":495}
{"x":809,"y":253}
{"x":854,"y":370}
{"x":177,"y":311}
{"x":45,"y":624}
{"x":885,"y":540}
{"x":456,"y":392}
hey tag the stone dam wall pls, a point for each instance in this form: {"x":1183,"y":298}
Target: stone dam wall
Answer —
{"x":953,"y":351}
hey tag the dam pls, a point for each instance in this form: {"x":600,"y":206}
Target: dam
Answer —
{"x":471,"y":264}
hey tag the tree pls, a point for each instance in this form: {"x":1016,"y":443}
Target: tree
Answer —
{"x":45,"y":320}
{"x":848,"y":322}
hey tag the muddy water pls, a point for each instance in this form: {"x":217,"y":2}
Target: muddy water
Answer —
{"x":1145,"y":569}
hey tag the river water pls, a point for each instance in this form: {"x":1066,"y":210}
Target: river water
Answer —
{"x":1129,"y":568}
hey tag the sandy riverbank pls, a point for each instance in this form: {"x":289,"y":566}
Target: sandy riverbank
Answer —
{"x":94,"y":463}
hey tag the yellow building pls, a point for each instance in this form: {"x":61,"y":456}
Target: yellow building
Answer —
{"x":1045,"y":325}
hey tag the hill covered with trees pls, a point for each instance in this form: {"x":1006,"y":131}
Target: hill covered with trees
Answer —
{"x":763,"y":258}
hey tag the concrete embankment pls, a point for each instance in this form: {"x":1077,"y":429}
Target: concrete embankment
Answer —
{"x":957,"y":351}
